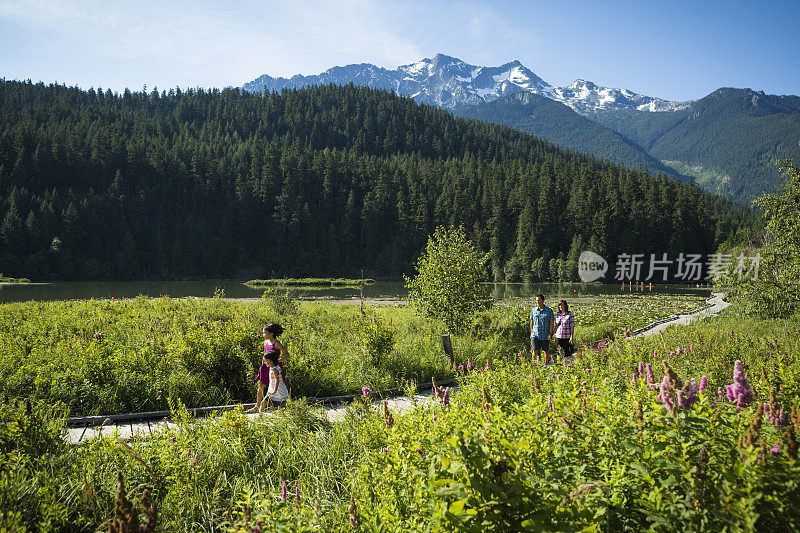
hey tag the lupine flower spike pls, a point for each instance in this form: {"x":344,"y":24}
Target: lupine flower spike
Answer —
{"x":739,"y":391}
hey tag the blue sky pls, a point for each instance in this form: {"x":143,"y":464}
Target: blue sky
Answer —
{"x":676,"y":50}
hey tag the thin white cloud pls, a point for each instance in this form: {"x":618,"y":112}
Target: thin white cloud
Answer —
{"x":221,"y":44}
{"x":283,"y":37}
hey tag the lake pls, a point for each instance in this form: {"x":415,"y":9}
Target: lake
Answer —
{"x":77,"y":290}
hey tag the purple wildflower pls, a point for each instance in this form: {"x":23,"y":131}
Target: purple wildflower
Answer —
{"x":98,"y":335}
{"x":283,"y":489}
{"x":739,"y":391}
{"x":703,"y":383}
{"x":649,"y":369}
{"x":469,"y":364}
{"x":641,"y":368}
{"x":549,"y":403}
{"x":688,"y":396}
{"x":775,"y":450}
{"x":665,"y":395}
{"x":461,"y":368}
{"x":366,"y":391}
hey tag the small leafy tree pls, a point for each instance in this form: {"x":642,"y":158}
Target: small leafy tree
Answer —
{"x":776,"y":289}
{"x":446,"y":285}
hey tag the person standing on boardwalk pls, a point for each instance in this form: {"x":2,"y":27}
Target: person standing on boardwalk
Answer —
{"x":565,"y":331}
{"x":542,"y":328}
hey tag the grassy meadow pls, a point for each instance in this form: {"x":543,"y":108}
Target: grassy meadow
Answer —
{"x":117,"y":356}
{"x":605,"y":444}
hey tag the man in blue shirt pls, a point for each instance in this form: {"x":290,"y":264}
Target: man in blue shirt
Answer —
{"x":542,"y":328}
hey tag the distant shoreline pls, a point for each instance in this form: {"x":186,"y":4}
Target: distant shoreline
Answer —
{"x":308,"y":282}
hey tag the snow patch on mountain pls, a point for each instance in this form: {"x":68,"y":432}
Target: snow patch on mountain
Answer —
{"x":585,"y":97}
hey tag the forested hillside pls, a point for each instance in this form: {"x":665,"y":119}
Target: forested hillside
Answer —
{"x":318,"y":181}
{"x":554,"y":121}
{"x":729,"y":139}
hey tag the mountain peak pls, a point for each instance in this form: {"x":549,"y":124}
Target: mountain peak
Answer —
{"x":447,"y":81}
{"x":443,"y":57}
{"x":582,"y":83}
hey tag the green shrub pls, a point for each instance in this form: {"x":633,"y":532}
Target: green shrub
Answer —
{"x":446,"y":286}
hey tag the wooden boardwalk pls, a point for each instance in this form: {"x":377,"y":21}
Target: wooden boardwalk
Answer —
{"x":136,"y":425}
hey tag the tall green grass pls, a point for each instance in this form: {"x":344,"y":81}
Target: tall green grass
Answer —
{"x":520,"y":446}
{"x":111,"y":356}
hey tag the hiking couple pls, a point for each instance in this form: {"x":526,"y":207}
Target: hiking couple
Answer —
{"x":545,"y":326}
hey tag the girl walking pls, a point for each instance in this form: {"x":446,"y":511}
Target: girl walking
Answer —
{"x":271,"y":378}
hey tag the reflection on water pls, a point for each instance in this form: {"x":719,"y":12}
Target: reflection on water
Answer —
{"x":235,"y":289}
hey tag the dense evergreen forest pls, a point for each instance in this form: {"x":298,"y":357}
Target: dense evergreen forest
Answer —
{"x":313,"y":182}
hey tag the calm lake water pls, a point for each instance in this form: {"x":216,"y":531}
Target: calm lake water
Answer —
{"x":234,"y":289}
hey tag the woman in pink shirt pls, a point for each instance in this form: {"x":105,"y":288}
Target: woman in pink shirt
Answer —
{"x":565,"y":331}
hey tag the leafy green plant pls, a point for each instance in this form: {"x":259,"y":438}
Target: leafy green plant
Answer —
{"x":376,"y":338}
{"x":281,"y":300}
{"x":446,"y":284}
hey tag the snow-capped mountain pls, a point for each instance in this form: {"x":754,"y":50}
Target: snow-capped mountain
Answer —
{"x":448,"y":82}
